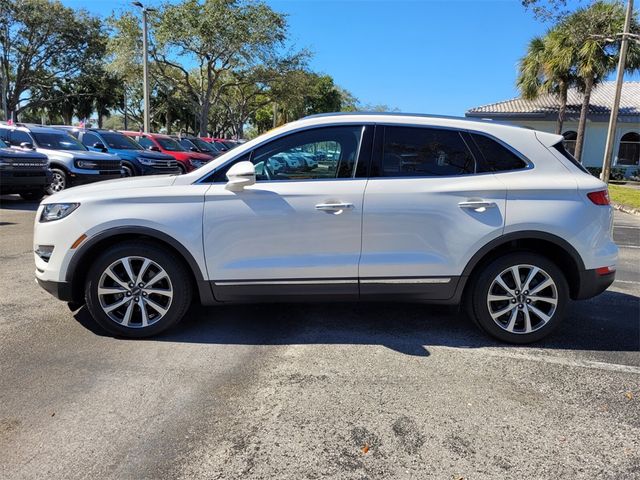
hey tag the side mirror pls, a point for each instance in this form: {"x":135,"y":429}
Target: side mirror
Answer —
{"x":194,"y":149}
{"x":100,"y":146}
{"x":27,"y":145}
{"x":241,"y":175}
{"x":153,"y":148}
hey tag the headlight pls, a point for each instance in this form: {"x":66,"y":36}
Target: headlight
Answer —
{"x":196,"y":162}
{"x":86,"y":164}
{"x":145,"y":161}
{"x":56,"y":211}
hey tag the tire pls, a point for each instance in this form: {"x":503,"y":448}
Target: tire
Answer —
{"x":183,"y":169}
{"x":60,"y":181}
{"x":128,"y":170}
{"x":504,"y":315}
{"x":164,"y":306}
{"x":33,"y":196}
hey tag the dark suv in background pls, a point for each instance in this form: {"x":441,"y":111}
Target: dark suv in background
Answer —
{"x":23,"y":171}
{"x":71,"y":162}
{"x":135,"y":159}
{"x":195,"y":144}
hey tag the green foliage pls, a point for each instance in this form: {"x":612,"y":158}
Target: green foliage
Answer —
{"x":43,"y":42}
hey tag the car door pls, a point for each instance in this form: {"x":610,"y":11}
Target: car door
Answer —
{"x":427,"y":210}
{"x":297,"y":230}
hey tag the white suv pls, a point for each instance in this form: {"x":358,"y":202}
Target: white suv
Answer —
{"x":407,"y":208}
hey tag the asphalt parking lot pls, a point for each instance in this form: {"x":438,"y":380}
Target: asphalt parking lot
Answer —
{"x":315,"y":391}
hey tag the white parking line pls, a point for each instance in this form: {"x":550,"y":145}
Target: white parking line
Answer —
{"x":626,"y":281}
{"x":628,"y":246}
{"x":546,"y":358}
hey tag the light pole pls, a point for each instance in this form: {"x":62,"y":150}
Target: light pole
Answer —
{"x":611,"y":133}
{"x":145,"y":64}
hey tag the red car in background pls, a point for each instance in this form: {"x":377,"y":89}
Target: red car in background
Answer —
{"x":187,"y":161}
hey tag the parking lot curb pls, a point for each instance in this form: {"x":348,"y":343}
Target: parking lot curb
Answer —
{"x":626,"y":209}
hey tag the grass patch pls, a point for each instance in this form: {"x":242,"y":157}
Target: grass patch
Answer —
{"x":625,"y":195}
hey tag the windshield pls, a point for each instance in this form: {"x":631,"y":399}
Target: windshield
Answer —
{"x":58,"y":141}
{"x":121,"y":142}
{"x":170,"y":144}
{"x":202,"y":145}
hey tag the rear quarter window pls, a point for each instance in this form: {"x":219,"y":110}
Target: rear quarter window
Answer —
{"x":565,"y":153}
{"x":497,"y":157}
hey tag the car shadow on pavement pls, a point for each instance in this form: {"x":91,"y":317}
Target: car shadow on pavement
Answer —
{"x":14,"y":202}
{"x":606,"y":323}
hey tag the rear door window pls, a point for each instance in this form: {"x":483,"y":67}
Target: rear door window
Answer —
{"x":425,"y":152}
{"x":18,"y":136}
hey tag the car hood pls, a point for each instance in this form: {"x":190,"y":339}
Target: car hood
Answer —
{"x":104,"y":188}
{"x":78,"y":154}
{"x":20,"y":153}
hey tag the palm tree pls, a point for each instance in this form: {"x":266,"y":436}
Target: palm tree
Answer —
{"x":543,"y":71}
{"x":583,"y":41}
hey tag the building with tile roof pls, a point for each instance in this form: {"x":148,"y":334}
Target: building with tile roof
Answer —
{"x":542,"y":113}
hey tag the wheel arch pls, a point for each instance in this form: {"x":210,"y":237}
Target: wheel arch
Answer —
{"x":555,"y":248}
{"x":81,"y":261}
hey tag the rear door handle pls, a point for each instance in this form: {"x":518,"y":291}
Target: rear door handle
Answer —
{"x":477,"y":205}
{"x":334,"y":207}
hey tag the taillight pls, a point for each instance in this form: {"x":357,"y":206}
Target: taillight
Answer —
{"x":601,"y":197}
{"x":605,"y":270}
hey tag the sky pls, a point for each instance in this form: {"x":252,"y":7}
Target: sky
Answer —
{"x":421,"y":56}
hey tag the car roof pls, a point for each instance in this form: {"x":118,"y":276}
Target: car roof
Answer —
{"x":32,"y":128}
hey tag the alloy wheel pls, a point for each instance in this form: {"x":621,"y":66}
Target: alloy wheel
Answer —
{"x":58,"y":182}
{"x":522,"y":299}
{"x":135,"y":292}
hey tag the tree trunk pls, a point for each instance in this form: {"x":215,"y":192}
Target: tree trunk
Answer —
{"x":563,"y":107}
{"x":204,"y":117}
{"x":582,"y":124}
{"x":100,"y":118}
{"x":167,"y":121}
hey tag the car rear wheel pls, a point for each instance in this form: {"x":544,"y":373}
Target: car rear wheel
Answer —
{"x":519,"y":298}
{"x":137,"y":289}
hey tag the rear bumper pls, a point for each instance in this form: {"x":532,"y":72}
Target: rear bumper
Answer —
{"x":60,"y":290}
{"x":592,"y":283}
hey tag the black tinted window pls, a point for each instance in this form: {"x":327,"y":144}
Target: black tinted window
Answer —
{"x":89,"y":139}
{"x":18,"y":136}
{"x":424,"y":152}
{"x":563,"y":151}
{"x":497,"y":157}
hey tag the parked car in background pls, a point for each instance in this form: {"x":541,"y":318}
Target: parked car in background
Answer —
{"x":218,"y":142}
{"x":196,"y":144}
{"x":135,"y":159}
{"x":187,"y":161}
{"x":498,"y":218}
{"x":23,"y":171}
{"x":71,"y":162}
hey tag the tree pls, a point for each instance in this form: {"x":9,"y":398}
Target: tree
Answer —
{"x":42,"y":42}
{"x":543,"y":70}
{"x":546,"y":10}
{"x":583,"y":40}
{"x":217,"y":37}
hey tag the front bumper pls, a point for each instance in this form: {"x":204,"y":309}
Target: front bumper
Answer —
{"x":60,"y":290}
{"x":20,"y":181}
{"x":82,"y":178}
{"x":593,"y":283}
{"x":151,"y":170}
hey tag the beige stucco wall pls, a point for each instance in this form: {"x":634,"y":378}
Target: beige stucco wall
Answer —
{"x":595,"y":138}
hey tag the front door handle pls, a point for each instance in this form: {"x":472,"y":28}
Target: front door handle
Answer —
{"x":477,"y":205}
{"x":334,"y":207}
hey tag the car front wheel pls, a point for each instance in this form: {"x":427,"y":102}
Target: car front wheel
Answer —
{"x":519,"y":298}
{"x":58,"y":182}
{"x":137,"y":289}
